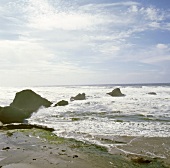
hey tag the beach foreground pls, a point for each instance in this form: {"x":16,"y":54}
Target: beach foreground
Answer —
{"x":33,"y":148}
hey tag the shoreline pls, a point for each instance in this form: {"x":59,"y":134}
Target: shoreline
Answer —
{"x":33,"y":148}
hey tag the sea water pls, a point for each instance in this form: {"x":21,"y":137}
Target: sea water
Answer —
{"x":100,"y":115}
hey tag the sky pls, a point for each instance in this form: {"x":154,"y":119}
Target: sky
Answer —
{"x":68,"y":42}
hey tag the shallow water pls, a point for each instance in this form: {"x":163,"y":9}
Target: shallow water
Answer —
{"x":136,"y":114}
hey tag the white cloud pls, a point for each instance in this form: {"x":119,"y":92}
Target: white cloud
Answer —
{"x":155,"y":25}
{"x":63,"y":21}
{"x":62,"y":37}
{"x":162,"y":46}
{"x":45,"y":16}
{"x":153,"y":14}
{"x":108,"y":49}
{"x":18,"y":52}
{"x":134,"y":8}
{"x":167,"y":26}
{"x":91,"y":6}
{"x":42,"y":15}
{"x":152,"y":54}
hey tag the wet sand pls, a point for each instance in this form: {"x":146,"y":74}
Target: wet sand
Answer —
{"x":35,"y":148}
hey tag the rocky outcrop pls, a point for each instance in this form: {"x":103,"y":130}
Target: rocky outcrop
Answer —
{"x":116,"y":93}
{"x":24,"y":104}
{"x":61,"y":103}
{"x":13,"y":115}
{"x":79,"y":97}
{"x":29,"y":100}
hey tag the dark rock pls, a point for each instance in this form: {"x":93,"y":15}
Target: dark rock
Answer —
{"x":75,"y":156}
{"x":11,"y":115}
{"x":25,"y":126}
{"x":6,"y":148}
{"x":29,"y":100}
{"x":75,"y":119}
{"x":116,"y":93}
{"x":61,"y":103}
{"x":24,"y":104}
{"x":152,"y":93}
{"x":79,"y":97}
{"x":141,"y":160}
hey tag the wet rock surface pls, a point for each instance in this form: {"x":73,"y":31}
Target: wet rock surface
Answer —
{"x":39,"y":148}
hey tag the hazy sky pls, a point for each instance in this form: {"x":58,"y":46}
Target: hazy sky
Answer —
{"x":53,"y":42}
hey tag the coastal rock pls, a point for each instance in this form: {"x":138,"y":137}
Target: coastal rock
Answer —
{"x":61,"y":103}
{"x":24,"y":104}
{"x":6,"y":148}
{"x":11,"y":115}
{"x":24,"y":126}
{"x":152,"y":93}
{"x":29,"y":100}
{"x":79,"y":97}
{"x":116,"y":93}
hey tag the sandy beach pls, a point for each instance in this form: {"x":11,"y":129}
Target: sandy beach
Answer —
{"x":33,"y":148}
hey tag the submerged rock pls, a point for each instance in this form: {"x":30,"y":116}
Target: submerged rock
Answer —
{"x":152,"y":93}
{"x":24,"y":104}
{"x":79,"y":97}
{"x":61,"y":103}
{"x":116,"y":93}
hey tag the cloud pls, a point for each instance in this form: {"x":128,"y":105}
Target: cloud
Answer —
{"x":154,"y":55}
{"x":162,"y":46}
{"x":42,"y":15}
{"x":71,"y":37}
{"x":19,"y":52}
{"x":153,"y":14}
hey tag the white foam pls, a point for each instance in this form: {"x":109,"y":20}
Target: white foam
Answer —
{"x":136,"y":114}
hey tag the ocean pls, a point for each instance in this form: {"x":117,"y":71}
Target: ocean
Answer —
{"x":101,"y":117}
